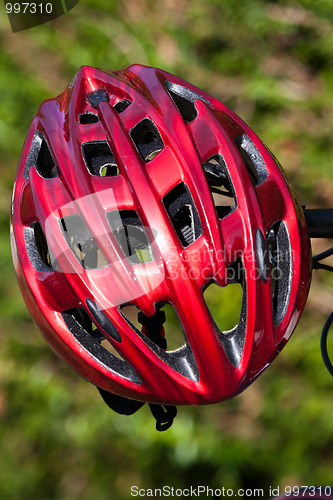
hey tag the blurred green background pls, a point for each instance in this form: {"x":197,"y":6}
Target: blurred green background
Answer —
{"x":271,"y":62}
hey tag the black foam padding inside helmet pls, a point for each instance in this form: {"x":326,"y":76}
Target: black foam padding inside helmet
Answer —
{"x":280,"y":255}
{"x":99,"y":158}
{"x":184,"y":99}
{"x":183,"y":214}
{"x":88,"y":118}
{"x":147,"y":139}
{"x":81,"y":327}
{"x":40,"y":156}
{"x":37,"y":248}
{"x":122,"y":105}
{"x":252,"y":158}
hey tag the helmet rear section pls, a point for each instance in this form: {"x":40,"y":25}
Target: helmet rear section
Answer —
{"x":136,"y":192}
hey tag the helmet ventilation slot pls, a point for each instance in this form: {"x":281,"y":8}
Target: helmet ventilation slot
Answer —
{"x":131,"y":235}
{"x":41,"y":244}
{"x":99,"y":159}
{"x":227,"y":307}
{"x":183,"y":214}
{"x":147,"y":139}
{"x":91,"y":339}
{"x":280,"y":258}
{"x":40,"y":157}
{"x":253,"y":160}
{"x":184,"y":99}
{"x":173,"y":335}
{"x":88,"y":118}
{"x":37,"y":248}
{"x":175,"y":352}
{"x":45,"y":163}
{"x":173,"y":330}
{"x":130,"y":313}
{"x":224,"y":304}
{"x":222,"y":189}
{"x":122,"y":105}
{"x":81,"y":242}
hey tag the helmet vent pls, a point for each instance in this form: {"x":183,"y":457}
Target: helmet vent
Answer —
{"x":45,"y":163}
{"x":37,"y":248}
{"x":122,"y":105}
{"x":184,"y":99}
{"x":221,"y":185}
{"x":253,"y":160}
{"x":166,"y":322}
{"x":147,"y":139}
{"x":227,"y":307}
{"x":280,"y":257}
{"x":183,"y":214}
{"x":173,"y":330}
{"x":99,"y":159}
{"x":98,"y":96}
{"x":81,"y":242}
{"x":224,"y":304}
{"x":88,"y":118}
{"x":131,"y":236}
{"x":40,"y":157}
{"x":91,"y":339}
{"x":151,"y":326}
{"x":180,"y":358}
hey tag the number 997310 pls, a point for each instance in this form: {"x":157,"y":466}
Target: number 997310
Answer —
{"x":28,"y":8}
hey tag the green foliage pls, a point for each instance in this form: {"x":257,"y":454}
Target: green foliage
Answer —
{"x":272,"y":63}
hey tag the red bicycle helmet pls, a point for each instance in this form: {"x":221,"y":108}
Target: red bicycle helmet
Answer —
{"x":135,"y":187}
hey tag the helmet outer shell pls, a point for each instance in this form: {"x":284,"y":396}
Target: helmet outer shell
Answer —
{"x":125,"y":112}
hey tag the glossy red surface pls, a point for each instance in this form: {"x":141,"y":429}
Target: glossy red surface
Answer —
{"x":140,"y":186}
